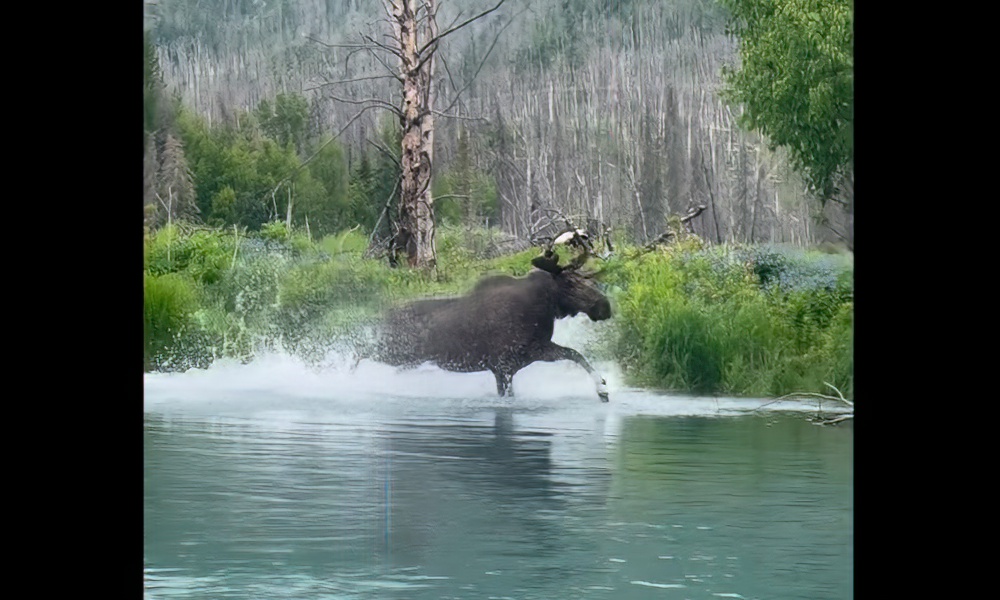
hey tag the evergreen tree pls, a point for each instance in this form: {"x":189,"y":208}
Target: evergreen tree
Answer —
{"x":286,"y":121}
{"x":364,"y":207}
{"x":175,"y":184}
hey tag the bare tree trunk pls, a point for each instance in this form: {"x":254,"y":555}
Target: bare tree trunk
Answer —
{"x":416,"y":207}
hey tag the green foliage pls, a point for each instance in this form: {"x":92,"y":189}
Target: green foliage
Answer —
{"x":465,"y":194}
{"x":310,"y":290}
{"x":202,"y":255}
{"x":796,"y":80}
{"x":350,"y":241}
{"x":328,"y":206}
{"x":168,"y":303}
{"x":238,"y":179}
{"x":247,"y":178}
{"x":758,"y":321}
{"x":701,"y":321}
{"x":223,"y":207}
{"x":285,"y":121}
{"x":275,"y":230}
{"x":361,"y":198}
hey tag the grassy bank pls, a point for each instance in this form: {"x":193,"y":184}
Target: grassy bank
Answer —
{"x":745,"y":321}
{"x":215,"y":293}
{"x":758,"y":321}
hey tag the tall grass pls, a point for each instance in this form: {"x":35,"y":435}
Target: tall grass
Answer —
{"x":169,"y":302}
{"x":748,"y":321}
{"x":241,"y":294}
{"x":704,"y":321}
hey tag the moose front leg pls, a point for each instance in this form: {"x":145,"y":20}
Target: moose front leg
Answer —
{"x":552,"y":352}
{"x":504,"y":379}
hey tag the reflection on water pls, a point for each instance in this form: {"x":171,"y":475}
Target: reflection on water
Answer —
{"x":431,"y":498}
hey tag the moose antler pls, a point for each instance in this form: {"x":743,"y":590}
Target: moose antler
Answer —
{"x":570,"y":235}
{"x":576,"y":238}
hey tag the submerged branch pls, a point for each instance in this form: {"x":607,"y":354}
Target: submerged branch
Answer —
{"x":818,"y":420}
{"x":835,"y":420}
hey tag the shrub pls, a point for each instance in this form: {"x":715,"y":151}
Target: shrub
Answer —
{"x":704,"y":321}
{"x":203,"y":255}
{"x":351,"y":241}
{"x":757,"y":321}
{"x":168,"y":303}
{"x":275,"y":230}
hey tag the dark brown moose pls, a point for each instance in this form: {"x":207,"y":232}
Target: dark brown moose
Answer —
{"x":503,"y":325}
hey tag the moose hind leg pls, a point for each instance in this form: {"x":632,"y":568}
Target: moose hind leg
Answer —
{"x":553,"y":352}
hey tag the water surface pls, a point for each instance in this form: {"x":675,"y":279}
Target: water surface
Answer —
{"x":276,"y":480}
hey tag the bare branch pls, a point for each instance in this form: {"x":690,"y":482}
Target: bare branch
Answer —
{"x":693,"y":212}
{"x":423,"y":59}
{"x":450,"y":30}
{"x":835,"y":420}
{"x":385,"y":210}
{"x":481,"y":63}
{"x":455,"y":20}
{"x":438,"y":113}
{"x":387,"y":66}
{"x":369,"y":47}
{"x":385,"y":47}
{"x":388,"y":13}
{"x":340,"y":81}
{"x":385,"y":151}
{"x":322,"y":43}
{"x":373,"y":102}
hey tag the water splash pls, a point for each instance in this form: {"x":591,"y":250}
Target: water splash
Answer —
{"x":277,"y":380}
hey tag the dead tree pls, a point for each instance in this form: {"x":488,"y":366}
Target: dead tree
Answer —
{"x":417,"y":45}
{"x":414,"y":43}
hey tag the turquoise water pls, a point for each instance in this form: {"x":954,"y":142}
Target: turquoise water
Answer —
{"x":274,"y":480}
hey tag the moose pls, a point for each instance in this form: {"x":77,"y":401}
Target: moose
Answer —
{"x":504,"y":324}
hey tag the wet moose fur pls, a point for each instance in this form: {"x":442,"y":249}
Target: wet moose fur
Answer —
{"x":503,"y":325}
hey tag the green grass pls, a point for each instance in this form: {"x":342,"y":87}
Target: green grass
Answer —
{"x":699,"y":320}
{"x":745,"y":321}
{"x":169,"y":302}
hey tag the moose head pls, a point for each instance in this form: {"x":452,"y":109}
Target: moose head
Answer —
{"x":577,"y":291}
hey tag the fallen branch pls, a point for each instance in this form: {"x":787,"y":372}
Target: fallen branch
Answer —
{"x":819,"y":420}
{"x":663,"y":238}
{"x":834,"y":421}
{"x":692,"y":212}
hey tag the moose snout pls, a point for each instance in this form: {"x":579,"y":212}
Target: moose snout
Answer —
{"x":600,"y":310}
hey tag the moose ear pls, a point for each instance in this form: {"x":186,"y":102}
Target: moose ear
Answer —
{"x":547,"y":263}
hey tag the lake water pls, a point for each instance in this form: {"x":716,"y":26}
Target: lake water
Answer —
{"x":277,"y":480}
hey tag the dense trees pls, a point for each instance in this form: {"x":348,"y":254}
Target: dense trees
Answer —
{"x":246,"y":178}
{"x":608,"y":112}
